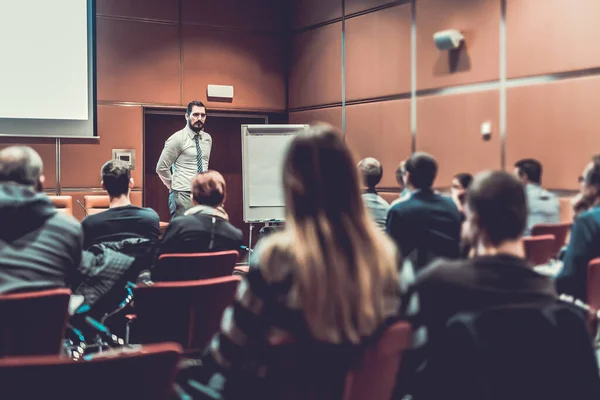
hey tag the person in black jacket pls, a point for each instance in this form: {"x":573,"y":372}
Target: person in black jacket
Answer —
{"x":426,"y":225}
{"x":122,"y":220}
{"x":39,"y":247}
{"x":205,"y":227}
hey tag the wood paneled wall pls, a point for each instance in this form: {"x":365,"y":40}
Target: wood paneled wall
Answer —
{"x":528,"y":67}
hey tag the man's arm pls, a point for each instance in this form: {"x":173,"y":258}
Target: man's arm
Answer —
{"x":572,"y":278}
{"x":167,"y":158}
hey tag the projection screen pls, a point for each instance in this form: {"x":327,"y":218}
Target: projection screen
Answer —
{"x":47,"y":68}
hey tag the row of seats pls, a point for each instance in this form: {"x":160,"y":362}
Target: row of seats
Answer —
{"x":93,"y":204}
{"x":199,"y":306}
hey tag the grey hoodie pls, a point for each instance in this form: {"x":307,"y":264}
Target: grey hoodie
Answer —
{"x":39,"y":248}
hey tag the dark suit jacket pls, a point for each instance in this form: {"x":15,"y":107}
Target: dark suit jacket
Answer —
{"x":193,"y":233}
{"x":425,"y":226}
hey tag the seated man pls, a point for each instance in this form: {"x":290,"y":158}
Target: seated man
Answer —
{"x":39,"y":247}
{"x":544,"y":206}
{"x":205,"y":227}
{"x":584,"y":244}
{"x":498,"y":275}
{"x":122,"y":220}
{"x":371,"y":172}
{"x":400,"y":176}
{"x":426,"y":225}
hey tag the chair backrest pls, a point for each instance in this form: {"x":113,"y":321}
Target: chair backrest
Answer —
{"x":146,"y":373}
{"x":188,"y":313}
{"x":63,"y":204}
{"x":33,"y":323}
{"x":194,"y":266}
{"x":539,"y":249}
{"x":593,"y":283}
{"x":560,"y":232}
{"x":376,"y":377}
{"x":96,"y":204}
{"x":519,"y":352}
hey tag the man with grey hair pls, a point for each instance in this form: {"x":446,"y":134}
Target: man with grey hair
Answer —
{"x":39,"y":248}
{"x":371,"y":172}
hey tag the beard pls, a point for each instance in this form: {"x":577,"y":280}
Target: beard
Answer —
{"x":197,"y":127}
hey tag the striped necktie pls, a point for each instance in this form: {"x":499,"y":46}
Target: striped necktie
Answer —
{"x":198,"y":153}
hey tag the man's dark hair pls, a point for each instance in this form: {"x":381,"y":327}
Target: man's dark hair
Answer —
{"x":531,"y":168}
{"x":192,"y":104}
{"x":209,"y":188}
{"x":592,"y":176}
{"x":422,"y":169}
{"x":371,"y":171}
{"x":116,"y":175}
{"x":465,"y":179}
{"x":22,"y":165}
{"x":498,"y":200}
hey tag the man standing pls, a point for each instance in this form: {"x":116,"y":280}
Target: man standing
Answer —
{"x":544,"y":207}
{"x":187,"y":153}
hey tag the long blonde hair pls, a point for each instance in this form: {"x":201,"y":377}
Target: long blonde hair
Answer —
{"x":344,"y":265}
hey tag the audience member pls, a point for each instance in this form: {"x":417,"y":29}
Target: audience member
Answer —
{"x":329,"y":277}
{"x":544,"y":207}
{"x":498,"y":276}
{"x":371,"y":172}
{"x":122,"y":220}
{"x":400,"y":180}
{"x":585,"y":236}
{"x":39,"y":247}
{"x":205,"y":227}
{"x":426,"y":225}
{"x":458,"y":191}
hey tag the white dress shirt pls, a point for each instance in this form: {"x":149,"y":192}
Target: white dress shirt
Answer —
{"x":180,"y":155}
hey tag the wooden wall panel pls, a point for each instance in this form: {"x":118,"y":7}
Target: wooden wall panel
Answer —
{"x":46,"y":148}
{"x":79,"y":213}
{"x":137,"y":61}
{"x":449,"y":127}
{"x":545,"y":36}
{"x":378,"y":53}
{"x":556,"y":123}
{"x":254,"y":64}
{"x":478,"y":61}
{"x":355,"y":6}
{"x":255,"y":15}
{"x":316,"y":67}
{"x":164,"y":10}
{"x":331,"y":116}
{"x":311,"y":12}
{"x":119,"y":127}
{"x":380,"y":130}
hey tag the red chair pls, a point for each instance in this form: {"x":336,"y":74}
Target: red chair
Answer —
{"x":33,"y":323}
{"x":147,"y":373}
{"x":560,"y":232}
{"x":194,"y":266}
{"x":188,"y":313}
{"x":539,"y":249}
{"x":324,"y":373}
{"x":376,"y":378}
{"x":593,"y":283}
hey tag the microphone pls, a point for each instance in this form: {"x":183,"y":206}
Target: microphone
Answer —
{"x":246,"y":248}
{"x":84,"y":209}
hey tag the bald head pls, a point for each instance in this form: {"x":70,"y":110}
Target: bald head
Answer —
{"x":22,"y":165}
{"x":371,"y":171}
{"x":208,"y":188}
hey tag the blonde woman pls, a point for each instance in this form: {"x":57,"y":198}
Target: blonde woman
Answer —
{"x":330,"y":277}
